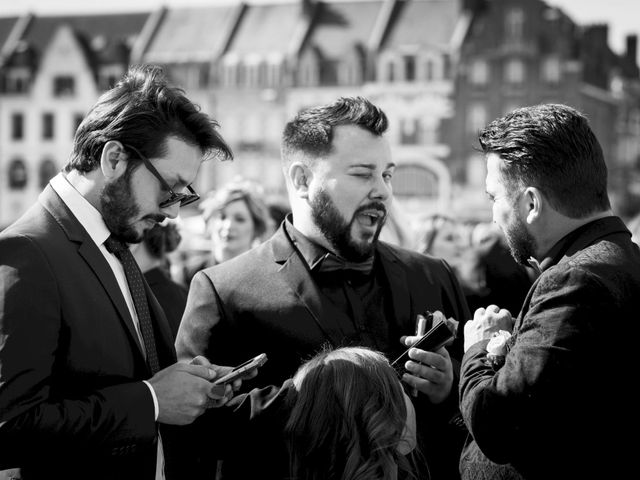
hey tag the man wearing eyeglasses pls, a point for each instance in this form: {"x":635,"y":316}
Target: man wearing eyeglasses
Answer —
{"x":88,"y":379}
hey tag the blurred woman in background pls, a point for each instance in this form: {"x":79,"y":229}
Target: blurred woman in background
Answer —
{"x":236,"y":218}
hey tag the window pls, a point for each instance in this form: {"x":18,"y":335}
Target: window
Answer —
{"x":409,"y":68}
{"x":551,"y":70}
{"x":479,"y":72}
{"x":64,"y":86}
{"x":429,"y":71}
{"x":391,"y":71}
{"x":17,"y":175}
{"x":47,"y":126}
{"x":47,"y":171}
{"x":514,"y":71}
{"x":17,"y":126}
{"x":514,"y":24}
{"x":409,"y":131}
{"x":476,"y":118}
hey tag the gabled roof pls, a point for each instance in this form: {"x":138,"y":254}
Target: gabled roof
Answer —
{"x":267,"y":29}
{"x":423,"y":23}
{"x":340,"y":26}
{"x":100,"y":33}
{"x":6,"y":26}
{"x":192,"y":34}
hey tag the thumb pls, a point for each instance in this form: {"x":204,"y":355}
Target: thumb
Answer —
{"x":201,"y":371}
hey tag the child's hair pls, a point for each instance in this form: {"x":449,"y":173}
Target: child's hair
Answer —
{"x":348,"y":419}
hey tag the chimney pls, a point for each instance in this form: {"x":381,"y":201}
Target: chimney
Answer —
{"x":307,"y":7}
{"x":632,"y":49}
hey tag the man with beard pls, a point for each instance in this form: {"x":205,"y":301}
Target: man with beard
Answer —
{"x":324,"y":278}
{"x":88,"y":376}
{"x":556,"y":406}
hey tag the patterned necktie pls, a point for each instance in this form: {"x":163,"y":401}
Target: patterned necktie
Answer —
{"x":333,"y":263}
{"x":136,"y":286}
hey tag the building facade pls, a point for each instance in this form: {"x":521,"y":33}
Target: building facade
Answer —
{"x":440,"y":69}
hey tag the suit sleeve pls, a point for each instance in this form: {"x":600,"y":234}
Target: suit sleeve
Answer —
{"x":33,"y":412}
{"x":201,"y":314}
{"x":533,"y":393}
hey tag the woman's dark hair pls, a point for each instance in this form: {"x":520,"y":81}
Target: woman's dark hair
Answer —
{"x":348,"y":418}
{"x":143,"y":110}
{"x":162,"y":239}
{"x":551,"y":147}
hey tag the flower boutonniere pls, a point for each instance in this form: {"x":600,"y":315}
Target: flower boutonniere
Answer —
{"x":497,"y":349}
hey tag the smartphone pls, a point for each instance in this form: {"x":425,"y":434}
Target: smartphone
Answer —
{"x":438,"y":336}
{"x":241,"y":369}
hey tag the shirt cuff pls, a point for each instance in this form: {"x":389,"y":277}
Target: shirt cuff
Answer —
{"x":156,"y":408}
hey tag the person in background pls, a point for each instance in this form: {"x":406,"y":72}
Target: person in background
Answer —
{"x":324,"y":277}
{"x":344,"y":414}
{"x":236,"y":219}
{"x":547,"y":396}
{"x":89,"y":381}
{"x":152,"y":257}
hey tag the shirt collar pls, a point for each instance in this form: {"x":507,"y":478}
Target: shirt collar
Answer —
{"x":86,"y":213}
{"x":555,"y":254}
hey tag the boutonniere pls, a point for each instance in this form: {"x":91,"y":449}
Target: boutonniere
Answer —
{"x":497,"y":349}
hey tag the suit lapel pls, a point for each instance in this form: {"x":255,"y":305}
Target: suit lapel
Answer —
{"x":295,"y":273}
{"x":92,"y":256}
{"x":398,"y":284}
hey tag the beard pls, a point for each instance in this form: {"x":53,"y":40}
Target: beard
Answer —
{"x":119,"y":208}
{"x":521,"y":243}
{"x":337,"y":230}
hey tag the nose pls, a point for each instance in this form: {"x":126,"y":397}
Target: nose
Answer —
{"x":171,"y":211}
{"x":381,"y":189}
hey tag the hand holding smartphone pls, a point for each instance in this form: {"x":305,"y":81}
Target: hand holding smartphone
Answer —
{"x":436,"y":337}
{"x":240,"y":370}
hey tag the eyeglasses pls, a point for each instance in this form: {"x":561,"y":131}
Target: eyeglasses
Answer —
{"x":173,"y":198}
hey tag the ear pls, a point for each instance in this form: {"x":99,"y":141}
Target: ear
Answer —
{"x":533,"y":203}
{"x":113,"y":161}
{"x":300,"y":176}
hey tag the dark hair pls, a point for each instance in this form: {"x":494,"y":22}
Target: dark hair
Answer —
{"x":348,"y":417}
{"x":162,"y":239}
{"x":239,"y":190}
{"x":311,"y":131}
{"x":142,"y":110}
{"x":551,"y":147}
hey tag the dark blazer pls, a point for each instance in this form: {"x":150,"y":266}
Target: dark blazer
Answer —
{"x":72,"y":403}
{"x":265,"y":300}
{"x":560,"y":405}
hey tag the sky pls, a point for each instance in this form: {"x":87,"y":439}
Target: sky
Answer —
{"x":623,"y":16}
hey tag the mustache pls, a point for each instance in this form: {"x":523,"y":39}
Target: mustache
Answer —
{"x":155,"y":218}
{"x":373,"y":206}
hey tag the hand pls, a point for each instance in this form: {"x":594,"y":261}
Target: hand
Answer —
{"x":430,"y":372}
{"x":184,"y":392}
{"x":485,"y":322}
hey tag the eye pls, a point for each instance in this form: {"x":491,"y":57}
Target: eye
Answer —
{"x":387,"y":176}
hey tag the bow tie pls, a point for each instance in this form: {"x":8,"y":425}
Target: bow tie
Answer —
{"x":333,"y":263}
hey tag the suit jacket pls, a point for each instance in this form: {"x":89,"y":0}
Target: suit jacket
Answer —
{"x":72,"y":403}
{"x":265,"y":300}
{"x":559,"y":405}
